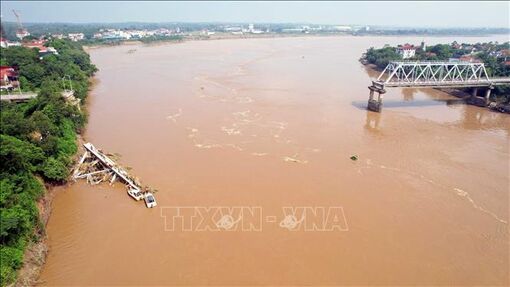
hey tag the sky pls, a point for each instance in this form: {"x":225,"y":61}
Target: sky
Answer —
{"x":398,"y":14}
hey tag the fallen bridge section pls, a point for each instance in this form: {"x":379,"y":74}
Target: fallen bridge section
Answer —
{"x":97,"y":167}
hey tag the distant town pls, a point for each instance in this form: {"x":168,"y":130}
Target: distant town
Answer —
{"x":13,"y":32}
{"x":39,"y":36}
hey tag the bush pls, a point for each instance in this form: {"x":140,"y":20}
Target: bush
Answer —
{"x":54,"y":170}
{"x":11,"y":259}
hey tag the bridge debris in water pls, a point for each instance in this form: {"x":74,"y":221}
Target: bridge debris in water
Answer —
{"x":96,"y":167}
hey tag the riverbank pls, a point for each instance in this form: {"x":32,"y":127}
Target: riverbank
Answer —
{"x":36,"y":252}
{"x":39,"y":143}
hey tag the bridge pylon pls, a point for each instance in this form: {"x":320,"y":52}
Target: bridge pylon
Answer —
{"x":375,"y":103}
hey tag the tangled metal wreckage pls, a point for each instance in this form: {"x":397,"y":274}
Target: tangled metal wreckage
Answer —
{"x":96,"y":167}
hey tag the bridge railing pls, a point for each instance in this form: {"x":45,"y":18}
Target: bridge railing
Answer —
{"x":434,"y":62}
{"x":433,"y":71}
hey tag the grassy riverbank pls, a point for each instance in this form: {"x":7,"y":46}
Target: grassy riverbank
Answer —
{"x":38,"y":142}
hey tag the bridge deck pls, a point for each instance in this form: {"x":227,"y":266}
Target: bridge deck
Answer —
{"x":445,"y":84}
{"x":18,"y":97}
{"x":111,"y":165}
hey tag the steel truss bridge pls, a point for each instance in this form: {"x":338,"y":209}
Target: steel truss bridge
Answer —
{"x":433,"y":74}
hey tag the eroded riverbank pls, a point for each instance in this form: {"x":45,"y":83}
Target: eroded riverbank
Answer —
{"x":272,"y":123}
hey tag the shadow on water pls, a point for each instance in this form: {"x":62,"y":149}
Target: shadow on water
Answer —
{"x":471,"y":117}
{"x":410,"y":102}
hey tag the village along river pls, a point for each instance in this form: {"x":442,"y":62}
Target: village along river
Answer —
{"x":272,"y":123}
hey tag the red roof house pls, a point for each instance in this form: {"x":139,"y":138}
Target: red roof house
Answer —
{"x":8,"y":78}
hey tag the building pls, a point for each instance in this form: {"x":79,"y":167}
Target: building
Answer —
{"x":406,"y":51}
{"x":43,"y":50}
{"x":112,"y":34}
{"x":8,"y":78}
{"x":342,"y":28}
{"x":22,"y":33}
{"x":469,"y":58}
{"x":58,"y":36}
{"x":75,"y":37}
{"x":4,"y":43}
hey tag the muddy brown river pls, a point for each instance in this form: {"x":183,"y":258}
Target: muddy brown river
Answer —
{"x":271,"y":124}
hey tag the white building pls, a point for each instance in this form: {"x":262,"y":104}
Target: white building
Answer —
{"x":406,"y":51}
{"x":76,"y":36}
{"x":343,"y":28}
{"x":22,"y":33}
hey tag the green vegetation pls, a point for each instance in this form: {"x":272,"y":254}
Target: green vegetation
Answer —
{"x":38,"y":140}
{"x":381,"y":57}
{"x":151,"y":39}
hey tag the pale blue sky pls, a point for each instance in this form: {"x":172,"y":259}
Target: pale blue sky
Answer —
{"x":402,"y":14}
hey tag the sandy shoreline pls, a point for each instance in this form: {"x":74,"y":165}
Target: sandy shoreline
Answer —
{"x":249,"y":36}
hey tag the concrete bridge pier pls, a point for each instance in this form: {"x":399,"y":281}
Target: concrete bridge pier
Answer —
{"x":488,"y":95}
{"x":481,"y":101}
{"x":474,"y":93}
{"x":375,"y":104}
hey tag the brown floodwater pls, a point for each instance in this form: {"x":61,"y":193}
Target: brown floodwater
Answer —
{"x":272,"y":123}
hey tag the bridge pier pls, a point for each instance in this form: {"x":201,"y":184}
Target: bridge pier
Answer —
{"x":488,"y":95}
{"x":474,"y":93}
{"x":375,"y":104}
{"x":480,"y":101}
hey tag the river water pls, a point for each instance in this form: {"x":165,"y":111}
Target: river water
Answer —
{"x":272,"y":123}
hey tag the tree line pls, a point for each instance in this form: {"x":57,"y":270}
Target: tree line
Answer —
{"x":38,"y":141}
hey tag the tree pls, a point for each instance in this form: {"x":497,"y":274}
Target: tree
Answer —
{"x":17,"y":155}
{"x":54,"y":170}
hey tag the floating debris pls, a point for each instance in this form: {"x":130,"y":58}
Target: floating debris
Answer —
{"x":294,"y":159}
{"x":259,"y":153}
{"x":96,"y":167}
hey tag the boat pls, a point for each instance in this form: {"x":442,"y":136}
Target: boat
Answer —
{"x":150,"y":200}
{"x":135,"y":193}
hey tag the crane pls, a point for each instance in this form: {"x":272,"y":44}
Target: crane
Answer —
{"x":2,"y":32}
{"x":20,"y":27}
{"x":21,"y":32}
